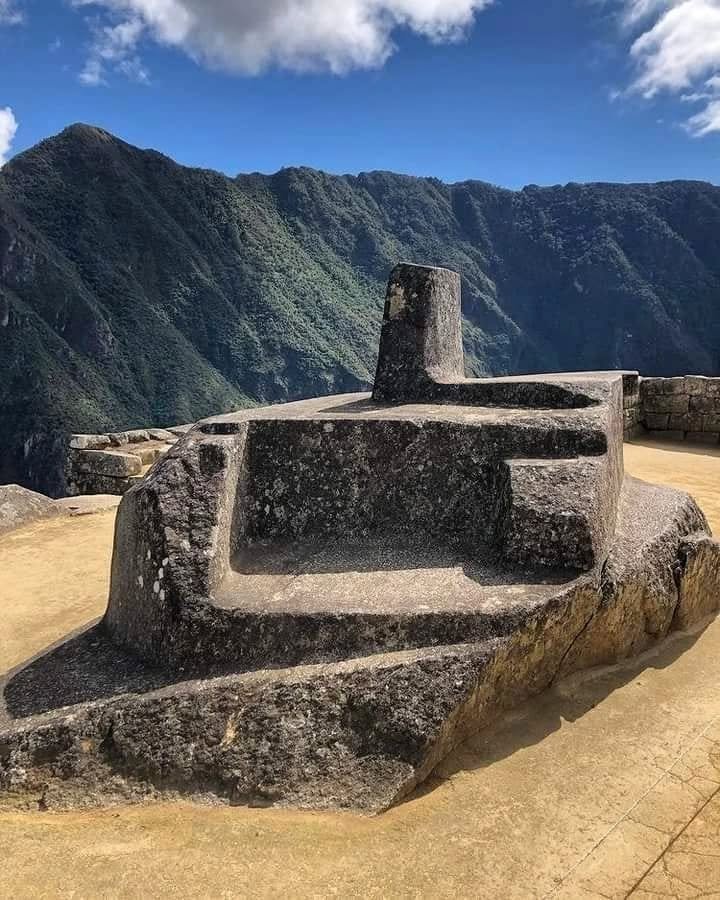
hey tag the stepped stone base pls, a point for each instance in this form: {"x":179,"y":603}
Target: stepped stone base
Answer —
{"x":113,"y":463}
{"x":311,"y":604}
{"x":88,"y":723}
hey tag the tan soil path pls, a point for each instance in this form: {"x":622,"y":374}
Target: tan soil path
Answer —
{"x":53,"y":578}
{"x":691,"y":467}
{"x":599,"y":788}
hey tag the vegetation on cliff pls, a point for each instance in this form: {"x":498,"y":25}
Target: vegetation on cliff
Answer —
{"x":134,"y":291}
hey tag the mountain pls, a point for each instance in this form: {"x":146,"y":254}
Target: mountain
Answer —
{"x":134,"y":291}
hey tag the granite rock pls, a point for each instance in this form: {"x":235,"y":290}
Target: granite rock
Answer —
{"x":90,"y":441}
{"x":312,"y":604}
{"x":19,"y":506}
{"x":699,"y":580}
{"x":109,"y":463}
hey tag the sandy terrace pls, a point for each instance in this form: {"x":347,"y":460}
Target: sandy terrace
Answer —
{"x":607,"y":786}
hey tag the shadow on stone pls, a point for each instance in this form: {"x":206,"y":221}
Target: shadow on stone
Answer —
{"x":388,"y":554}
{"x":85,"y":666}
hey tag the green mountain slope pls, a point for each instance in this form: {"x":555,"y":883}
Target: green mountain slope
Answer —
{"x":134,"y":291}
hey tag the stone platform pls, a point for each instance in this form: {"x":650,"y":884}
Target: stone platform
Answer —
{"x":113,"y":463}
{"x":311,"y":604}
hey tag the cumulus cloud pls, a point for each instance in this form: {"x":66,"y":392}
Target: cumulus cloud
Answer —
{"x":248,"y":36}
{"x":677,"y":51}
{"x":8,"y":129}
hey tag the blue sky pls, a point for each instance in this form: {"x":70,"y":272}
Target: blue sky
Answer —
{"x":511,"y":92}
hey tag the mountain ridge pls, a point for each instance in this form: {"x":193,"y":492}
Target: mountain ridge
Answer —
{"x":83,"y":128}
{"x":137,"y":291}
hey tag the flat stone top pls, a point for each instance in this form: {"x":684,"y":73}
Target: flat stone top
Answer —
{"x":573,"y":379}
{"x":380,"y":576}
{"x":361,"y":407}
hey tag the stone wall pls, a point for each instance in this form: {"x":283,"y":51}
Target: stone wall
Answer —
{"x":112,"y":463}
{"x":684,"y":408}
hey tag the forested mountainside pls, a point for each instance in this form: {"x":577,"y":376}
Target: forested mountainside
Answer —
{"x":134,"y":291}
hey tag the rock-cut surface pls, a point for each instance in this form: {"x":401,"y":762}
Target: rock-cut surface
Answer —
{"x":312,"y":604}
{"x":87,"y":723}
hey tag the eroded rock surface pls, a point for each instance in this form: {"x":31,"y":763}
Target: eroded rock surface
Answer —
{"x":312,"y":604}
{"x":19,"y":506}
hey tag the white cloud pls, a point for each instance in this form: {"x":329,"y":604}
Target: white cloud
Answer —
{"x":706,"y":121}
{"x":677,"y":51}
{"x":8,"y":129}
{"x":637,"y":10}
{"x":248,"y":36}
{"x":9,"y":13}
{"x":93,"y":73}
{"x":115,"y":46}
{"x":681,"y":46}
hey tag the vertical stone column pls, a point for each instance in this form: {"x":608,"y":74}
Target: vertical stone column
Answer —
{"x":421,"y":338}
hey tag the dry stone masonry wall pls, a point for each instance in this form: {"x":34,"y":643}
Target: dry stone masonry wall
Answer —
{"x":113,"y":463}
{"x":686,"y":407}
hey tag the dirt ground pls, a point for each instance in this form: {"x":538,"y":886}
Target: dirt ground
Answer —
{"x":691,"y":467}
{"x":606,"y":786}
{"x":54,"y":577}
